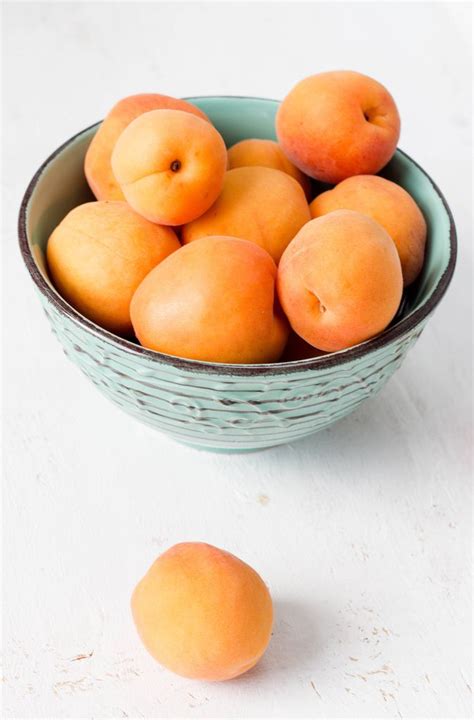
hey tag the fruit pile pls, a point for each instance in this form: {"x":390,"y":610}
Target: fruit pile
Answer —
{"x":227,"y":255}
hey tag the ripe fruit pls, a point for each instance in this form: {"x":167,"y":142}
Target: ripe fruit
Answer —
{"x":99,"y":254}
{"x":97,"y":167}
{"x":337,"y":124}
{"x":266,"y":153}
{"x":259,"y":204}
{"x":391,"y":206}
{"x":340,"y":280}
{"x":170,"y":165}
{"x":214,"y":301}
{"x":203,"y":613}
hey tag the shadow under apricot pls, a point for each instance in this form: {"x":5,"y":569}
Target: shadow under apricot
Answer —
{"x":298,"y":639}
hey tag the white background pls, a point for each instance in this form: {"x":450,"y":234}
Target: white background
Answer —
{"x":363,"y":531}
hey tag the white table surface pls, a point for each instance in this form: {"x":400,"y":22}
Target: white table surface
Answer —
{"x":362,"y":532}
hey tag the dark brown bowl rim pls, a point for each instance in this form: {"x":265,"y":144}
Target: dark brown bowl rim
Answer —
{"x":392,"y":333}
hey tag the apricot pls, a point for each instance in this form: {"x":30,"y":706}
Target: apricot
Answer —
{"x":203,"y":613}
{"x":99,"y":254}
{"x":97,"y":167}
{"x":340,"y":280}
{"x":170,"y":165}
{"x":391,"y":206}
{"x":265,"y":153}
{"x":213,"y":300}
{"x":259,"y":204}
{"x":337,"y":124}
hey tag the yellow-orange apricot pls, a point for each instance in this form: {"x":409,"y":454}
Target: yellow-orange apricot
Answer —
{"x":340,"y":280}
{"x":259,"y":204}
{"x":170,"y":165}
{"x":99,"y":254}
{"x":203,"y":613}
{"x":337,"y":124}
{"x":265,"y":153}
{"x":391,"y":206}
{"x":213,"y":300}
{"x":97,"y":167}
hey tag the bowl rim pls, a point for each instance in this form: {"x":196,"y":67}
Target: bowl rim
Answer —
{"x":331,"y":360}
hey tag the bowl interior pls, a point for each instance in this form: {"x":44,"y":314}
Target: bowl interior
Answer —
{"x":61,"y":185}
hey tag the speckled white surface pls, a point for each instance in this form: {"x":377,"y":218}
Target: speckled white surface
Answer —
{"x":362,"y":532}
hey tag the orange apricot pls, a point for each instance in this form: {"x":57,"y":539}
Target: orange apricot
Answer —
{"x":265,"y":153}
{"x":340,"y":280}
{"x":259,"y":204}
{"x":99,"y":254}
{"x":337,"y":124}
{"x":97,"y":167}
{"x":213,"y":300}
{"x":391,"y":206}
{"x":170,"y":165}
{"x":203,"y":613}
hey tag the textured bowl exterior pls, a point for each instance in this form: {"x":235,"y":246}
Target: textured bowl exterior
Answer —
{"x":227,"y":412}
{"x":216,"y":407}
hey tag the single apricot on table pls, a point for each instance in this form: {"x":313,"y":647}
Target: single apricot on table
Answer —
{"x":265,"y":153}
{"x":388,"y":204}
{"x":337,"y":124}
{"x":170,"y":165}
{"x":203,"y":613}
{"x":259,"y":204}
{"x":214,"y":300}
{"x":340,"y":280}
{"x":98,"y":255}
{"x":97,"y":165}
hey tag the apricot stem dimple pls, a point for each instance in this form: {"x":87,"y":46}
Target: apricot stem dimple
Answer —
{"x":175,"y":165}
{"x":317,"y":302}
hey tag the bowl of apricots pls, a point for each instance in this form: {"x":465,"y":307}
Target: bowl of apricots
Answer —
{"x":238,"y":272}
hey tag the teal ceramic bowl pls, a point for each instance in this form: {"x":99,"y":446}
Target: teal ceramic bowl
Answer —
{"x":231,"y":408}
